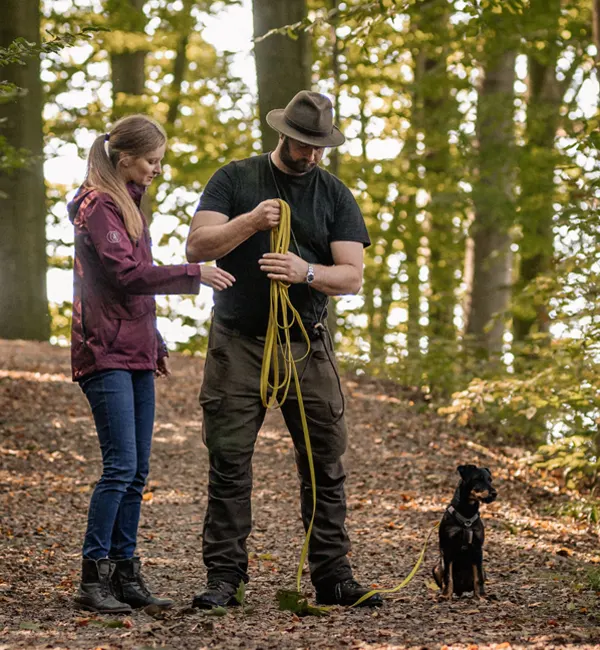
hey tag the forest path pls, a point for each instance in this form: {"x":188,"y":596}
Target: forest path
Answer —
{"x":401,"y":465}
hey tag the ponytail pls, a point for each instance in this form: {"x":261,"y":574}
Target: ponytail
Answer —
{"x":135,"y":135}
{"x":102,"y":175}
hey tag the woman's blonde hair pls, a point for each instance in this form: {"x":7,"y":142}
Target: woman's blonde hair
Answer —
{"x":134,"y":135}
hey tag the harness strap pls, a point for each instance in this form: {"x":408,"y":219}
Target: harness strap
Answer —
{"x":466,"y":523}
{"x":463,"y":521}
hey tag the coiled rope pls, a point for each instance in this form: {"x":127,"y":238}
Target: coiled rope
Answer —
{"x":278,"y":348}
{"x":283,"y":315}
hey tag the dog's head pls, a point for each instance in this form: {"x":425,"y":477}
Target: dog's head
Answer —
{"x":477,"y":483}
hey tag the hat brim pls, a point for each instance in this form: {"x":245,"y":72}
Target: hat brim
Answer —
{"x":276,"y":120}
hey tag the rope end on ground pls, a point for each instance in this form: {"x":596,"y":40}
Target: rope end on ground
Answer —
{"x":293,"y":601}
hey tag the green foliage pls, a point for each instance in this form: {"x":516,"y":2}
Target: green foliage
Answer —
{"x":17,"y":53}
{"x":408,"y":78}
{"x":593,"y":579}
{"x":21,"y":49}
{"x":60,"y":322}
{"x":575,"y":455}
{"x":240,"y":594}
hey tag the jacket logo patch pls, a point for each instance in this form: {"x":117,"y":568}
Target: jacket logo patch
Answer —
{"x":113,"y":236}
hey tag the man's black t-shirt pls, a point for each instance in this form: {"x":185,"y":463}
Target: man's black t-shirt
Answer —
{"x":323,"y":211}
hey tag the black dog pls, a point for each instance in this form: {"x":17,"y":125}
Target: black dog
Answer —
{"x":460,"y":568}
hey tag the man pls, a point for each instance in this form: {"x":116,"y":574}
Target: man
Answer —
{"x":237,"y":210}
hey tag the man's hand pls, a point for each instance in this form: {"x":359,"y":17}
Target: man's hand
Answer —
{"x":163,"y":367}
{"x":285,"y":268}
{"x":266,"y":215}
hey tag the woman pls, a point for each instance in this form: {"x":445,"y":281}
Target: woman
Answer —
{"x":116,"y":349}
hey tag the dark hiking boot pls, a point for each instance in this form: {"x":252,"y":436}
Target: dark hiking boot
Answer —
{"x":95,"y":593}
{"x":346,"y":593}
{"x":129,"y":586}
{"x":218,"y":593}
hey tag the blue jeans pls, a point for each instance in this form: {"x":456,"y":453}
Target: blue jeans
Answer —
{"x":122,"y":403}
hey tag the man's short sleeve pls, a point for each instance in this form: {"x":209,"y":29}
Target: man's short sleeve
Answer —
{"x":349,"y":224}
{"x":219,"y":193}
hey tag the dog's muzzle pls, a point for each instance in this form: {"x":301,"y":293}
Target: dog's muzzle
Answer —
{"x":492,"y":494}
{"x":486,"y":496}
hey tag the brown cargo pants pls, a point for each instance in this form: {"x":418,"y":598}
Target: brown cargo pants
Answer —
{"x":233,"y":414}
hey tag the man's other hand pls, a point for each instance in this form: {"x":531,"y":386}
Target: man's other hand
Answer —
{"x":284,"y":267}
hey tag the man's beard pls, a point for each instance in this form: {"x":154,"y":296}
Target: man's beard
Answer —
{"x":298,"y":166}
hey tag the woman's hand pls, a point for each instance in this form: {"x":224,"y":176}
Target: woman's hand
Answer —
{"x":213,"y":276}
{"x":163,"y":367}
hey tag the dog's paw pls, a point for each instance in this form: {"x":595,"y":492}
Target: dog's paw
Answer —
{"x":444,"y":597}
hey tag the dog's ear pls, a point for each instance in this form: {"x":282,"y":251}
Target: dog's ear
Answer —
{"x":465,"y":471}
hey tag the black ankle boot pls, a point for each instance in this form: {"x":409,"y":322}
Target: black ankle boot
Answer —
{"x":95,"y":592}
{"x":129,"y":586}
{"x":346,"y":593}
{"x":218,"y":593}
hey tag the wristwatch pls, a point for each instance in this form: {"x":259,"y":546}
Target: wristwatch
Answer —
{"x":310,"y":274}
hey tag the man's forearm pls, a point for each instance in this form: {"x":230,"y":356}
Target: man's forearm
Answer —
{"x":337,"y":280}
{"x":207,"y":243}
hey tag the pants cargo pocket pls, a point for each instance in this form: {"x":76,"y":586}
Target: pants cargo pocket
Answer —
{"x":231,"y":423}
{"x":326,"y":427}
{"x":211,"y":408}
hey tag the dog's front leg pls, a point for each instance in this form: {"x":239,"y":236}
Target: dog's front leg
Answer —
{"x":448,"y":582}
{"x":477,"y":586}
{"x":478,"y":581}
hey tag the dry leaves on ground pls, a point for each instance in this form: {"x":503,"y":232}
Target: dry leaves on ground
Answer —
{"x":401,"y":466}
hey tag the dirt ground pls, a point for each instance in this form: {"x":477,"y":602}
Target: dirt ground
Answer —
{"x":401,"y":466}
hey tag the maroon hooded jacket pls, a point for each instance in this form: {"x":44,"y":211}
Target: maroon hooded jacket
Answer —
{"x":114,"y":312}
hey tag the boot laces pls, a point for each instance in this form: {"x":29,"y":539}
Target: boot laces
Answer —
{"x":105,"y":584}
{"x":138,"y":580}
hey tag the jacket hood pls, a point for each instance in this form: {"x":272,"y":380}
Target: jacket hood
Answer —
{"x":74,"y":205}
{"x":135,"y":192}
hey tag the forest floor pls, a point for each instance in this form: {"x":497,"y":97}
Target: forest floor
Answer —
{"x":542,"y":567}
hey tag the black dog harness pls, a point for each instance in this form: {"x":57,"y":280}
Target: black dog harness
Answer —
{"x":466,"y":523}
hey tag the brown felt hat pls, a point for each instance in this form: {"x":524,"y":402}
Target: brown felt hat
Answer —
{"x":309,"y":119}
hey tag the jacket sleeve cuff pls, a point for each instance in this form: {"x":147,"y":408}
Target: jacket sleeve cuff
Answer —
{"x":194,"y":273}
{"x":162,"y":350}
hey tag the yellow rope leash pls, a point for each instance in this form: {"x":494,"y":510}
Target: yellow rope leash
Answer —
{"x":282,"y":317}
{"x":406,"y":580}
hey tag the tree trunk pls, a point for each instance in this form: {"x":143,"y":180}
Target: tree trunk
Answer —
{"x":127,"y":63}
{"x":413,"y":287}
{"x":493,"y":199}
{"x":434,"y":114}
{"x":282,"y":64}
{"x":596,"y":32}
{"x":185,"y":24}
{"x":334,"y":154}
{"x":537,"y":176}
{"x":23,"y":299}
{"x":128,"y":71}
